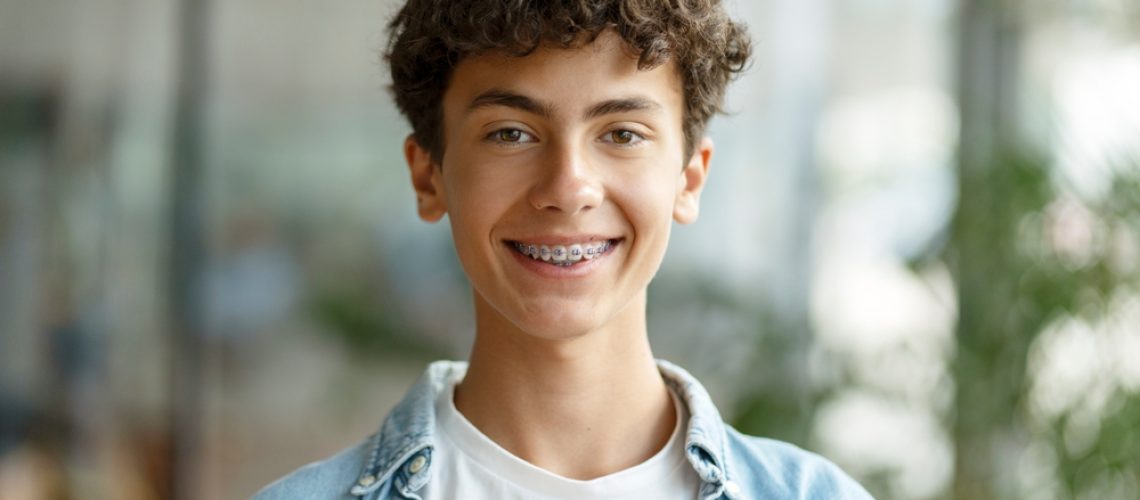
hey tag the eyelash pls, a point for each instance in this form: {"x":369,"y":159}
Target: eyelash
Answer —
{"x":634,"y":141}
{"x":496,"y":137}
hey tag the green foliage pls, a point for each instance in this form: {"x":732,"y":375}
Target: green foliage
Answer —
{"x":1025,"y":253}
{"x":774,"y":397}
{"x":779,"y":406}
{"x":1110,"y":468}
{"x":778,"y":399}
{"x":369,"y":331}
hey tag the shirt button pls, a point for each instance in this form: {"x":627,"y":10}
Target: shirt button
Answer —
{"x":732,"y":489}
{"x":417,"y":464}
{"x":367,"y":481}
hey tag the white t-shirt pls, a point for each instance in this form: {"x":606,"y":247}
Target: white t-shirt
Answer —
{"x":466,"y":464}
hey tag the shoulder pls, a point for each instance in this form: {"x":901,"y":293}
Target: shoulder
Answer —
{"x":775,"y":469}
{"x":328,"y":478}
{"x":368,"y":465}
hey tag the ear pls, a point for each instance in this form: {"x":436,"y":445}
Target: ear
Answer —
{"x":687,"y":204}
{"x":427,"y":180}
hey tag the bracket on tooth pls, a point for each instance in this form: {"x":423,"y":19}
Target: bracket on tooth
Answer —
{"x":562,"y":256}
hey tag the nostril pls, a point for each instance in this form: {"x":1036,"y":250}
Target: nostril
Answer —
{"x":568,"y":192}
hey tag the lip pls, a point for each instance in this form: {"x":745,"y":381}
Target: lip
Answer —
{"x":539,"y":267}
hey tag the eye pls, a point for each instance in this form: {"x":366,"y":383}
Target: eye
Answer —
{"x":622,"y":137}
{"x":510,"y":136}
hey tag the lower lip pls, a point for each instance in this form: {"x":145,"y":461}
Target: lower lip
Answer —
{"x":542,"y":268}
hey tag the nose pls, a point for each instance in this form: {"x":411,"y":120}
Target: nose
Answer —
{"x":567,"y":182}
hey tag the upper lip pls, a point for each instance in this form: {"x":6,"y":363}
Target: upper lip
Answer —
{"x":551,"y":239}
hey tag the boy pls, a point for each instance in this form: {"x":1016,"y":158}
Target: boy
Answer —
{"x":562,"y":139}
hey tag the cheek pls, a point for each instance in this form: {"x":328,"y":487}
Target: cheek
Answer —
{"x":478,"y":197}
{"x":647,"y":201}
{"x":467,"y":185}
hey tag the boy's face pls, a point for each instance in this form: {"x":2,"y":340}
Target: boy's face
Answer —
{"x":557,"y":149}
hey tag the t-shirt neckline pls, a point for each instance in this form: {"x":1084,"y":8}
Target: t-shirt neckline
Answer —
{"x":496,"y":460}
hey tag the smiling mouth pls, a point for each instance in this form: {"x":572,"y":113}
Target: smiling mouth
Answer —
{"x":564,"y":255}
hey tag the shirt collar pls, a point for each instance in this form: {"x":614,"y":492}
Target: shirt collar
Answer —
{"x":705,"y":443}
{"x":408,"y":431}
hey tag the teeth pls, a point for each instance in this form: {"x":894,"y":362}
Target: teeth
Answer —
{"x":563,"y":255}
{"x":575,"y":253}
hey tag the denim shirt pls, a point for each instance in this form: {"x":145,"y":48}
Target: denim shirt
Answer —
{"x":395,"y":462}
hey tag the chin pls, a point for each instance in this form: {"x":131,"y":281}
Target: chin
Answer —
{"x":561,"y":323}
{"x":550,"y":317}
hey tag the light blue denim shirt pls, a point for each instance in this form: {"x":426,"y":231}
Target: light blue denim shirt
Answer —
{"x":396,"y":461}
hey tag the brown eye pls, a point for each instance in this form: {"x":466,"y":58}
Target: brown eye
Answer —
{"x":509,"y":135}
{"x":622,"y":137}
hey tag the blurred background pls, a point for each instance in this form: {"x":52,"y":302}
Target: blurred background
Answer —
{"x":919,"y":253}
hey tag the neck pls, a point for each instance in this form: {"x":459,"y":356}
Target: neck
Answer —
{"x":600,"y":390}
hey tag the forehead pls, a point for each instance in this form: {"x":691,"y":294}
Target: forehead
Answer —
{"x":568,"y":80}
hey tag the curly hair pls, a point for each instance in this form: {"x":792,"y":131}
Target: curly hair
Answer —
{"x":428,"y":38}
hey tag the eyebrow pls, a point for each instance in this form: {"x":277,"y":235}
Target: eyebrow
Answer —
{"x":622,"y":105}
{"x":501,"y":97}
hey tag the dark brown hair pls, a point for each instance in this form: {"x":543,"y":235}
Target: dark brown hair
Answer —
{"x":428,"y":38}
